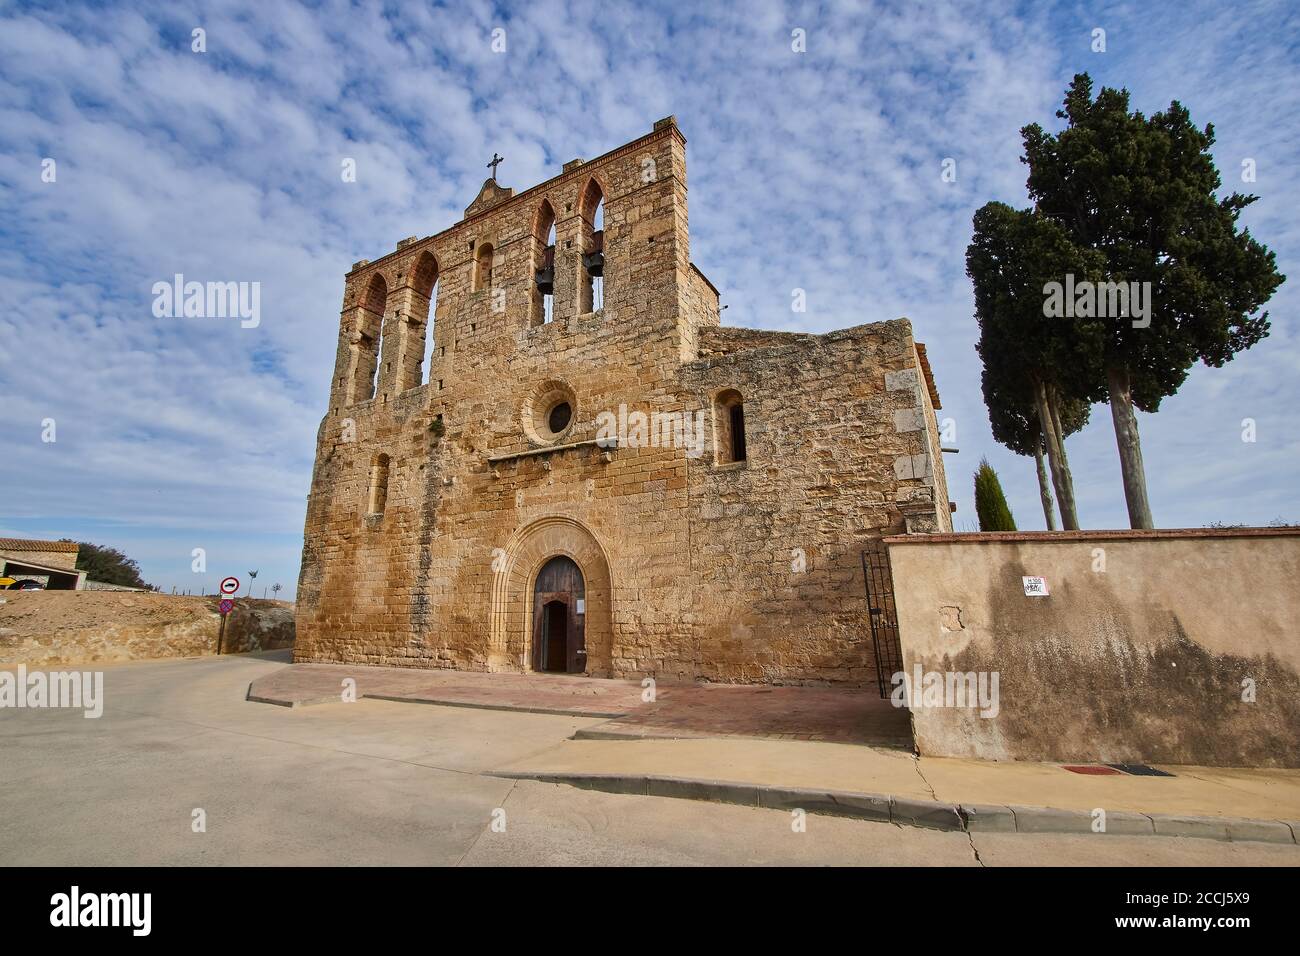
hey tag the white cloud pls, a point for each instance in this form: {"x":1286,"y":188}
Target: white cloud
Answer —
{"x":818,"y":170}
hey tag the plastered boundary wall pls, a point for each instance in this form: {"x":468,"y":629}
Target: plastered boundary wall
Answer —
{"x":1147,"y":660}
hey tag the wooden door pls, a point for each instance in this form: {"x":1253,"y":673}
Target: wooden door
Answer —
{"x":559,"y":606}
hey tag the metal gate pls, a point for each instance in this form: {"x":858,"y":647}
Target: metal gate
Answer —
{"x":884,"y":619}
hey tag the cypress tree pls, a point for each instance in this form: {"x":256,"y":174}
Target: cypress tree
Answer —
{"x":990,"y":502}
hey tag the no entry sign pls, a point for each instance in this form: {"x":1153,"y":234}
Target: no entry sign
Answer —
{"x":229,"y":585}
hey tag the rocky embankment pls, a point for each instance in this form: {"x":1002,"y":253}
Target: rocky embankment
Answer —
{"x":55,"y":627}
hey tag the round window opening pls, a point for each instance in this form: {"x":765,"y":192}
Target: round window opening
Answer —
{"x":550,"y":413}
{"x":559,"y":417}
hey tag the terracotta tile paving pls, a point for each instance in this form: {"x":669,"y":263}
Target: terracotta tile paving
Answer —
{"x":843,"y":715}
{"x":298,"y":684}
{"x":839,"y":715}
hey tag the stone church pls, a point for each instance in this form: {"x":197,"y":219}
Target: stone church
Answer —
{"x":544,"y":452}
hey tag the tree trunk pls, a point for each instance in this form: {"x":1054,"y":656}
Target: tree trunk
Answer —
{"x":1130,"y":448}
{"x":1044,"y":489}
{"x":1056,"y":460}
{"x":1067,"y":476}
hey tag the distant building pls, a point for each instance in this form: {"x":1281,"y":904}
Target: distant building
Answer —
{"x":53,"y":563}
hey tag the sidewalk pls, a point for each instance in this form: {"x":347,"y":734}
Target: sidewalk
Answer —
{"x":842,"y":714}
{"x":871,"y":783}
{"x":304,"y":685}
{"x":828,"y":750}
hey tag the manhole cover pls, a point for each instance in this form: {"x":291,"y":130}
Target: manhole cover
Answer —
{"x":1140,"y":770}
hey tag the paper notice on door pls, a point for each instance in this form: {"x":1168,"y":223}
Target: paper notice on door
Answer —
{"x":582,"y":606}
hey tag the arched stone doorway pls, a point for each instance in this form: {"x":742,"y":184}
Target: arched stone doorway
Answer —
{"x":559,"y":612}
{"x":515,"y":629}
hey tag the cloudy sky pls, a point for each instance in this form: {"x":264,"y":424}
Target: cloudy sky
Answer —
{"x":818,"y":170}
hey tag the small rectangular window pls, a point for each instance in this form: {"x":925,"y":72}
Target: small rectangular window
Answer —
{"x":738,"y":432}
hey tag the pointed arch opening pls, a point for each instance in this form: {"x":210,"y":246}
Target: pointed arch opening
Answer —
{"x":591,"y":285}
{"x":366,"y":338}
{"x":543,"y":258}
{"x":424,"y":308}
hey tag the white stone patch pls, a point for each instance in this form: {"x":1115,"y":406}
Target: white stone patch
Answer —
{"x":903,"y":378}
{"x":909,"y":420}
{"x":911,"y":466}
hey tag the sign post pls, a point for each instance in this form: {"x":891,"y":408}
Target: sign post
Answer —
{"x":228,"y":587}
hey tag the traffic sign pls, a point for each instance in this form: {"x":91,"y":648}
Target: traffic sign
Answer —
{"x":229,"y":585}
{"x":226,"y":606}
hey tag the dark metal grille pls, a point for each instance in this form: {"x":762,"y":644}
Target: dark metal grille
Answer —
{"x":884,"y":619}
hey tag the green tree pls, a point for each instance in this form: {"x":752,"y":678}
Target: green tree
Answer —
{"x":1036,"y":367}
{"x":990,"y":503}
{"x":108,"y":565}
{"x":1141,"y":193}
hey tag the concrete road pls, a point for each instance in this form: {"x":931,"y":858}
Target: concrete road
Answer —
{"x":387,"y":783}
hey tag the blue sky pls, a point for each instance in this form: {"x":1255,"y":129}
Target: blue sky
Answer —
{"x":817,"y":170}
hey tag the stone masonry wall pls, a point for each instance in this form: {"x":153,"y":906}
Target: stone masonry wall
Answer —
{"x":686,"y":561}
{"x":776,"y":541}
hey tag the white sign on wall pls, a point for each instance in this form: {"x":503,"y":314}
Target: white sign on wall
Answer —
{"x":1035,"y":586}
{"x":582,"y":606}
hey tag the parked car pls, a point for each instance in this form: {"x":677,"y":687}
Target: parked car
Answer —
{"x":27,"y":585}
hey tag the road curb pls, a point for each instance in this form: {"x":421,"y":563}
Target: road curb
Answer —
{"x":281,"y":702}
{"x":398,"y":698}
{"x":509,"y":708}
{"x":928,"y":814}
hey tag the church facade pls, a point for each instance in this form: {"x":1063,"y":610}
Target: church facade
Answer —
{"x":544,"y":452}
